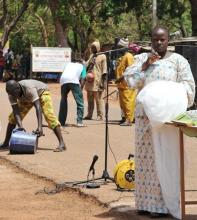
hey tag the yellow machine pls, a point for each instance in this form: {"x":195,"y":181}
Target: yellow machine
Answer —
{"x":124,"y":174}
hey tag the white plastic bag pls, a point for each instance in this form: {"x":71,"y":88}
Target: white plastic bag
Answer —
{"x":134,"y":78}
{"x":163,"y":101}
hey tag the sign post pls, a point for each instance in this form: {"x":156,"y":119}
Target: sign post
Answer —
{"x":50,"y":59}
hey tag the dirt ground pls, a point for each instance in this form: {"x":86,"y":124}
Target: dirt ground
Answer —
{"x":23,"y":177}
{"x":22,"y":197}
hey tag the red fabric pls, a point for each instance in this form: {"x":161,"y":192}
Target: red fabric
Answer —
{"x":2,"y":61}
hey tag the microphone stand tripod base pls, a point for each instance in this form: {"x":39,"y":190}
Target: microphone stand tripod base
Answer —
{"x":92,"y":185}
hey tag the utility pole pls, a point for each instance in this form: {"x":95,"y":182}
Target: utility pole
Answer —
{"x":154,"y":13}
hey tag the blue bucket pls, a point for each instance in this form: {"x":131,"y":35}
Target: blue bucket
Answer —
{"x":22,"y":142}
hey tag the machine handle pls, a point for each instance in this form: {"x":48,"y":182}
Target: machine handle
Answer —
{"x":130,"y":156}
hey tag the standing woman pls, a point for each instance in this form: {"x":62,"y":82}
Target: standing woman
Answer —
{"x":94,"y":85}
{"x":160,"y":64}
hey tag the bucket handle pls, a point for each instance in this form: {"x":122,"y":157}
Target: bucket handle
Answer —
{"x":18,"y":129}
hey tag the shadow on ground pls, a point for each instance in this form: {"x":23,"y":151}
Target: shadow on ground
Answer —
{"x":125,"y":213}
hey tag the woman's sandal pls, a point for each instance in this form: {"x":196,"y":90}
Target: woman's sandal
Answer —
{"x":142,"y":212}
{"x":158,"y":215}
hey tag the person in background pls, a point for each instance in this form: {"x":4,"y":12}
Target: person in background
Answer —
{"x":72,"y":79}
{"x":126,"y":95}
{"x":15,"y":68}
{"x":159,"y":64}
{"x":9,"y":57}
{"x":18,"y":60}
{"x":7,"y":75}
{"x":2,"y":64}
{"x":25,"y":62}
{"x":112,"y":61}
{"x":25,"y":94}
{"x":95,"y":81}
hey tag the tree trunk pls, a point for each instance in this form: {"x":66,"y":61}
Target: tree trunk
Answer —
{"x":60,"y":30}
{"x":44,"y":30}
{"x":75,"y":41}
{"x":154,"y":13}
{"x":84,"y":41}
{"x":182,"y":28}
{"x":194,"y":17}
{"x":9,"y":25}
{"x":138,"y":19}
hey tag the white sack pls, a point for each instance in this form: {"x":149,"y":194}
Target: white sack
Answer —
{"x":163,"y":101}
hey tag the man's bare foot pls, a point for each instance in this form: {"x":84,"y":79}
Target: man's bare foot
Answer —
{"x":60,"y":148}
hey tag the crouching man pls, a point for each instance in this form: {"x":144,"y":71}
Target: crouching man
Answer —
{"x":25,"y":94}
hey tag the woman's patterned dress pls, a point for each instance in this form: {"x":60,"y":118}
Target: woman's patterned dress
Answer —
{"x":173,"y":68}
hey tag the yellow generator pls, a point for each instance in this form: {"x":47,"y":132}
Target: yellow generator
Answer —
{"x":124,"y":174}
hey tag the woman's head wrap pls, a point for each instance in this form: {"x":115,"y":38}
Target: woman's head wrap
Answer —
{"x":97,"y":45}
{"x":123,"y":42}
{"x":134,"y":48}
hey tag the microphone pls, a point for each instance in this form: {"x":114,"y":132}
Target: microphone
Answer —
{"x":95,"y":158}
{"x":124,"y":49}
{"x":131,"y":47}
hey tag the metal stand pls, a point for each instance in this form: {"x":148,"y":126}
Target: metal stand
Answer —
{"x":105,"y":176}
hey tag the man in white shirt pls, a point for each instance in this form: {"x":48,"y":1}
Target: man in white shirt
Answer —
{"x":72,"y":79}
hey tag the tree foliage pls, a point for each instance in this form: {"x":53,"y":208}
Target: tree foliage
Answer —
{"x":76,"y":23}
{"x":11,"y":14}
{"x":194,"y":16}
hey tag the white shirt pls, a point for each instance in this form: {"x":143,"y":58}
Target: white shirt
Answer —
{"x":72,"y":73}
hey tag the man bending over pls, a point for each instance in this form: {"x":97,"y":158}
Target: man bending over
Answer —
{"x":25,"y":94}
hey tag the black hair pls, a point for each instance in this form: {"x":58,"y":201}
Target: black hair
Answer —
{"x":156,"y":28}
{"x":11,"y":85}
{"x":116,"y":40}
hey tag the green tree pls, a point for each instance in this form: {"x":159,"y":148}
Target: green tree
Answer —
{"x":76,"y":23}
{"x":11,"y":12}
{"x":175,"y":15}
{"x":34,"y":28}
{"x":140,"y":15}
{"x":194,"y":17}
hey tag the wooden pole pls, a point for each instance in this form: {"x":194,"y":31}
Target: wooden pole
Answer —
{"x":31,"y":57}
{"x":154,"y":13}
{"x":182,"y":174}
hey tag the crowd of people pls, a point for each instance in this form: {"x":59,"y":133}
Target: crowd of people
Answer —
{"x":93,"y":79}
{"x":133,"y":73}
{"x":18,"y":64}
{"x":92,"y":75}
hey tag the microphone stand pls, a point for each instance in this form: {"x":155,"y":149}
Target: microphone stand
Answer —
{"x":105,"y":176}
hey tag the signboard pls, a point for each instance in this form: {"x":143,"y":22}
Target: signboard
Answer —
{"x":50,"y":59}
